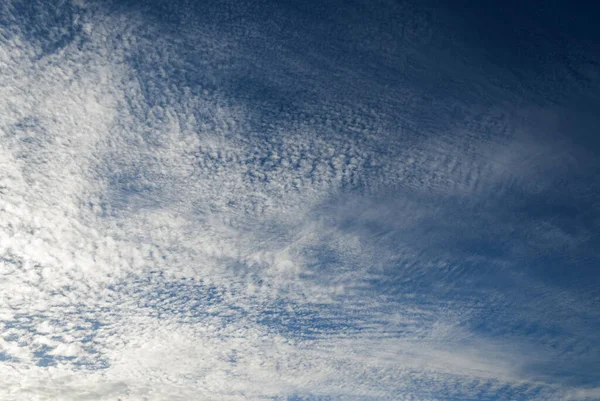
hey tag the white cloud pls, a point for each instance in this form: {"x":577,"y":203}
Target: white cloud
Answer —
{"x":584,"y":394}
{"x":146,"y":228}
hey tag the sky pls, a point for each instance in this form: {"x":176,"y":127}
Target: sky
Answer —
{"x":299,"y":200}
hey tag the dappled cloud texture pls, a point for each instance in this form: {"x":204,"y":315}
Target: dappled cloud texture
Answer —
{"x":296,"y":201}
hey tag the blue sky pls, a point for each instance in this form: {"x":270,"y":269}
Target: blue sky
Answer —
{"x":294,"y":200}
